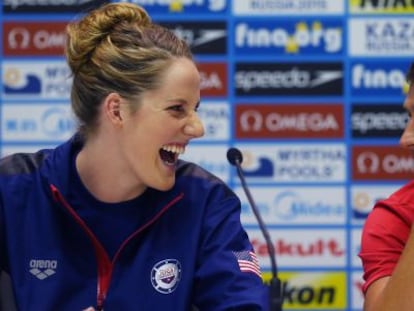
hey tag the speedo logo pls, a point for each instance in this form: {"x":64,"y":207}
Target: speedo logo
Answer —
{"x":42,"y":269}
{"x":287,"y":78}
{"x":16,"y":3}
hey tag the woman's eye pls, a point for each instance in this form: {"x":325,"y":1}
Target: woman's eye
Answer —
{"x":177,"y":108}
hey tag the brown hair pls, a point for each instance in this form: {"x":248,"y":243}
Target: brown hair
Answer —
{"x":116,"y":48}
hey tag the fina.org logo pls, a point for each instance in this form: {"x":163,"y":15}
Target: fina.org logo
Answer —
{"x":178,"y":5}
{"x":42,"y":269}
{"x":304,"y":35}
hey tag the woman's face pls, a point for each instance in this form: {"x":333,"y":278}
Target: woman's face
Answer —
{"x":157,"y":133}
{"x":407,"y":138}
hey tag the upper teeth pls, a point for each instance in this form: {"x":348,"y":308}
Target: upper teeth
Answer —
{"x":175,"y":149}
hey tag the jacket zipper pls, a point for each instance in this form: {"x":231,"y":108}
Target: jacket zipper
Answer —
{"x":105,"y":266}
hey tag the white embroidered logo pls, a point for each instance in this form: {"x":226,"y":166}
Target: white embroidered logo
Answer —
{"x":165,"y":275}
{"x":42,"y":269}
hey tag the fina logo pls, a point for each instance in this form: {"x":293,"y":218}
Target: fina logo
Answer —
{"x":165,"y":275}
{"x":178,"y":5}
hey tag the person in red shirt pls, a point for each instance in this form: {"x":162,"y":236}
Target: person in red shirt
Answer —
{"x":387,"y":243}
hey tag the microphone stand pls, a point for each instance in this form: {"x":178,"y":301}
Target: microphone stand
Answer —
{"x":275,"y":288}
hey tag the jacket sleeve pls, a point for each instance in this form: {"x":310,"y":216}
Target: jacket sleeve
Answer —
{"x":2,"y":238}
{"x":228,"y":275}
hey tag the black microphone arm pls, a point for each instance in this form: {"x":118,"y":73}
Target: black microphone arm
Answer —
{"x":235,"y":157}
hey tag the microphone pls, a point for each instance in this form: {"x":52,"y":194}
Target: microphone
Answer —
{"x":235,"y":157}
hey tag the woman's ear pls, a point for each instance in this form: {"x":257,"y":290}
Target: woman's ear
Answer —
{"x":112,"y":108}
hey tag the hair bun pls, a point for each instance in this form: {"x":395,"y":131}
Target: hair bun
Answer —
{"x":85,"y":35}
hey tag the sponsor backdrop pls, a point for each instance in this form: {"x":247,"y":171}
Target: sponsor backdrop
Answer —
{"x":310,"y":91}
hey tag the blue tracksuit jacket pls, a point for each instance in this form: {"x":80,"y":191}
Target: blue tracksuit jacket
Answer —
{"x":182,"y":255}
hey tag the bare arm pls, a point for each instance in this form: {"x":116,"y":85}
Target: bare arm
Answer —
{"x":397,"y":291}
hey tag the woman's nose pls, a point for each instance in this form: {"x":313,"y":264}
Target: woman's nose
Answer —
{"x":194,"y":126}
{"x":407,"y":137}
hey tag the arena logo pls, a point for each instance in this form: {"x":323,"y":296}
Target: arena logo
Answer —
{"x":381,"y":163}
{"x":292,"y":37}
{"x":270,"y":79}
{"x":213,"y":79}
{"x":385,"y":120}
{"x":34,"y":39}
{"x":289,"y":121}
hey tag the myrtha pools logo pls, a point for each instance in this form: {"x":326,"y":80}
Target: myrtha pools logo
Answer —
{"x":165,"y":275}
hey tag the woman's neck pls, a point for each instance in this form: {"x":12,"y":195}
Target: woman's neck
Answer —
{"x":104,"y":175}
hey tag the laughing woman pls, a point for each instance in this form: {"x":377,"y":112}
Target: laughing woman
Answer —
{"x":112,"y":219}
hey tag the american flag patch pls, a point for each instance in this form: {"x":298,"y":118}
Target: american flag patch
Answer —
{"x":248,"y":262}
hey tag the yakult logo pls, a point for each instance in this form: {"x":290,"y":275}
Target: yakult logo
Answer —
{"x":303,"y":247}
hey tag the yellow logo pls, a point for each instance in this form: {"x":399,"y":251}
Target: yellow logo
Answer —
{"x":375,"y":6}
{"x":312,"y":290}
{"x":176,"y":6}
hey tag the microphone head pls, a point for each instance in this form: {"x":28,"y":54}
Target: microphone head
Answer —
{"x":234,"y":156}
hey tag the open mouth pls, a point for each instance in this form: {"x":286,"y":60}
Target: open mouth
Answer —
{"x":169,"y":154}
